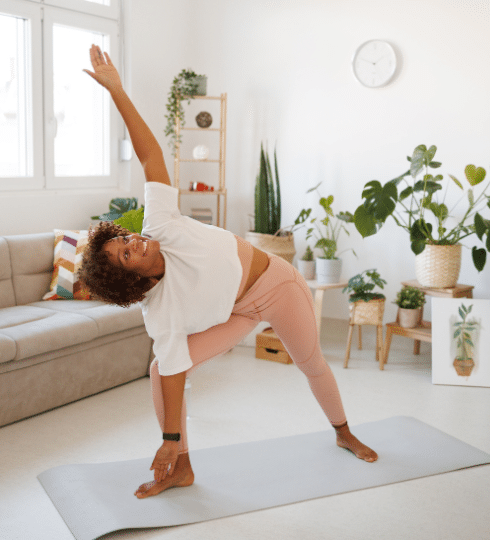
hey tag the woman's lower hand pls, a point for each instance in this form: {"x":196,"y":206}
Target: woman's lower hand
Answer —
{"x":104,"y":71}
{"x":165,"y":460}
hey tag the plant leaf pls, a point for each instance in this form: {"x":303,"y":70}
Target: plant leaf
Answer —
{"x":474,"y":175}
{"x":456,"y":181}
{"x":480,"y":227}
{"x":479,"y":257}
{"x":417,"y":161}
{"x":365,"y":222}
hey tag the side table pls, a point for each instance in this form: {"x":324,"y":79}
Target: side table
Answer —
{"x":320,"y":289}
{"x":422,"y":332}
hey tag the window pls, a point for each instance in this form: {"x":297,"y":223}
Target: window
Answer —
{"x":58,"y":129}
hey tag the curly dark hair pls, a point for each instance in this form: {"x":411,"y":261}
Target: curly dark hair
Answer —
{"x":105,"y":281}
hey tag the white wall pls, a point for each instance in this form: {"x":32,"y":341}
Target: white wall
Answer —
{"x":286,"y":66}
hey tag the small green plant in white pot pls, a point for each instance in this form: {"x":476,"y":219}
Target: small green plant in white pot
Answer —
{"x":306,"y":265}
{"x":328,"y":264}
{"x":410,"y":301}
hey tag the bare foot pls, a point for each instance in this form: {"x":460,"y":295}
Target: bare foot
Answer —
{"x":345,"y":439}
{"x":182,"y":476}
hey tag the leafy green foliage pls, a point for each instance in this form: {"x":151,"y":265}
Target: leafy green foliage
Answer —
{"x":360,"y":286}
{"x":132,"y":220}
{"x":184,"y":87}
{"x":308,"y":254}
{"x":117,"y":207}
{"x":328,"y":235}
{"x":267,"y":196}
{"x":462,"y":333}
{"x":410,"y":298}
{"x":416,"y":208}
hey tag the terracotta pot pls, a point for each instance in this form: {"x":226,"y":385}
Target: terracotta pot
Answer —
{"x":438,"y":266}
{"x":409,"y":318}
{"x":464,"y":367}
{"x":282,"y":246}
{"x":328,"y":270}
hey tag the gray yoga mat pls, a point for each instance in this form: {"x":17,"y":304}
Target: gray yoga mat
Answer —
{"x":95,"y":499}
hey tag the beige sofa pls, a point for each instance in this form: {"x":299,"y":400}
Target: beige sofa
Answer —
{"x":58,"y":351}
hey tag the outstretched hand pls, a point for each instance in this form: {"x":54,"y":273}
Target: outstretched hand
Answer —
{"x":165,"y":460}
{"x":105,"y":72}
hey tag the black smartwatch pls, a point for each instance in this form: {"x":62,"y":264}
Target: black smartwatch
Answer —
{"x":171,"y":437}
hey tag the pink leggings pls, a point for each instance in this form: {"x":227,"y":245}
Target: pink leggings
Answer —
{"x":282,"y":298}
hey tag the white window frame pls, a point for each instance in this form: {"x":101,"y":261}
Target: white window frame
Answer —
{"x":32,"y":12}
{"x":41,"y":16}
{"x":84,"y":6}
{"x":53,"y":16}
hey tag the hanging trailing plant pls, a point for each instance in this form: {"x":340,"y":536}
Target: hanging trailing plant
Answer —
{"x":185,"y":86}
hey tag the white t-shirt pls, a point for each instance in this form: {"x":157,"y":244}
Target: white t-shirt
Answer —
{"x":202,"y":277}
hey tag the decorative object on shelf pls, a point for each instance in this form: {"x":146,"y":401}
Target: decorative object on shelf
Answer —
{"x":268,"y":235}
{"x":366,"y":307}
{"x":204,"y":119}
{"x":204,"y":215}
{"x":306,"y":265}
{"x":328,"y":265}
{"x":416,"y":206}
{"x":199,"y":186}
{"x":200,"y":152}
{"x":185,"y":86}
{"x":410,"y":301}
{"x":463,"y":334}
{"x":374,"y":63}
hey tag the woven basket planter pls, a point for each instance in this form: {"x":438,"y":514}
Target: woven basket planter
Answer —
{"x":282,"y":246}
{"x":438,"y":266}
{"x":370,"y":312}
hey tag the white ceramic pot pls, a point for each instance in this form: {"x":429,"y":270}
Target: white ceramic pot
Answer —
{"x":306,"y":269}
{"x":328,"y":270}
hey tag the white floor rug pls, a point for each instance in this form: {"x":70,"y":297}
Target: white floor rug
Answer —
{"x":95,"y":499}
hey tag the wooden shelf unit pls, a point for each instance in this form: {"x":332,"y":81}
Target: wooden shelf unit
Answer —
{"x":220,"y":192}
{"x":422,"y":332}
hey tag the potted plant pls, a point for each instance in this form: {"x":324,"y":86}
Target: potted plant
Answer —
{"x":185,"y":86}
{"x":118,"y":207}
{"x":417,"y":210}
{"x":267,"y":234}
{"x":328,"y":265}
{"x":306,"y":265}
{"x":464,"y":363}
{"x":366,"y":306}
{"x":410,"y":301}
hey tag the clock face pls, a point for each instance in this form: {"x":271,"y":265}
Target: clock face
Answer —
{"x":374,"y":63}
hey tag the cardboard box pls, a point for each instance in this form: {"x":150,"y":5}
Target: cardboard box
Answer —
{"x":269,"y":347}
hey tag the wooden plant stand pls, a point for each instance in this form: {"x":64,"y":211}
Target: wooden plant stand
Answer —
{"x":422,"y":332}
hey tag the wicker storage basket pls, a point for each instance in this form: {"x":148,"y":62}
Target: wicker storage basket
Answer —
{"x":438,"y":266}
{"x":282,"y":246}
{"x":367,"y":312}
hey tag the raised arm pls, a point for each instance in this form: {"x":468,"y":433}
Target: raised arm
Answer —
{"x":144,"y":143}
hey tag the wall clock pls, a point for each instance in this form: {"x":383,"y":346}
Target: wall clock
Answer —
{"x":374,"y":63}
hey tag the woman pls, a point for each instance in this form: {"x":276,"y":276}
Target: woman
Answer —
{"x":202,"y":289}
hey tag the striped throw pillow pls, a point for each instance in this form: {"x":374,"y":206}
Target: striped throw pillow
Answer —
{"x":68,"y":253}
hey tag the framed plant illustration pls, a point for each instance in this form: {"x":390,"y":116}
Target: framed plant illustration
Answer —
{"x":461,"y":341}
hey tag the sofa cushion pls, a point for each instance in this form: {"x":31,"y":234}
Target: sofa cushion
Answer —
{"x":36,"y":330}
{"x":31,"y":256}
{"x":68,"y":253}
{"x":108,"y":318}
{"x":7,"y":297}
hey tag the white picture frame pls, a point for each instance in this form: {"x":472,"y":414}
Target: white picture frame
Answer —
{"x":461,"y":341}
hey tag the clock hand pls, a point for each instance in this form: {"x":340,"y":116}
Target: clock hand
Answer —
{"x":384,"y":56}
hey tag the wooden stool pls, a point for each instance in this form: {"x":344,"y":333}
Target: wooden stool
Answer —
{"x":367,"y":313}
